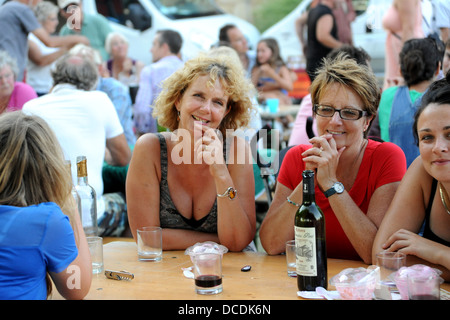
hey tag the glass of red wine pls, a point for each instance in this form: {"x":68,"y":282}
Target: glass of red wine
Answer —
{"x":422,"y":286}
{"x":208,"y":273}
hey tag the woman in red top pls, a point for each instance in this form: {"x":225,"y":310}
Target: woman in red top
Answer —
{"x":345,"y":97}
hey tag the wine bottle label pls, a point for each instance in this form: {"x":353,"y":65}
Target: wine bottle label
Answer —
{"x":305,"y":251}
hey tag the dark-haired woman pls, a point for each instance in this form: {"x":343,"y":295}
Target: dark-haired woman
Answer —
{"x":419,"y":66}
{"x":423,"y":196}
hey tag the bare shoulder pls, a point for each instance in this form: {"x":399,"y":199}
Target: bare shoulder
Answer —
{"x":147,"y":150}
{"x":147,"y":142}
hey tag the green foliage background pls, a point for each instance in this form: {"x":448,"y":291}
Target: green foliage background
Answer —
{"x":272,"y":11}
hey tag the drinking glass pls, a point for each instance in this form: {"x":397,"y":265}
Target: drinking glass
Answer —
{"x":149,"y":243}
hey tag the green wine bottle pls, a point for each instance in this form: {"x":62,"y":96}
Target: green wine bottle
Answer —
{"x":310,"y":243}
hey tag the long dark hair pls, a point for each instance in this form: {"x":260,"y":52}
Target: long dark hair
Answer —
{"x":437,"y":93}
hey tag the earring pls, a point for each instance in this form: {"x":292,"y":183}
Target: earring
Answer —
{"x":178,"y":117}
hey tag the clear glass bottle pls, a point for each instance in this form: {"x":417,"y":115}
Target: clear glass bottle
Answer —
{"x":88,"y":199}
{"x":74,"y":191}
{"x":310,"y":243}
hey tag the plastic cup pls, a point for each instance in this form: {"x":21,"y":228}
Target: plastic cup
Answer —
{"x":356,"y":283}
{"x":273,"y":105}
{"x":389,"y":262}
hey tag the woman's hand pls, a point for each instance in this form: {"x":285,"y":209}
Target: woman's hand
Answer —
{"x":411,"y":243}
{"x":323,"y":158}
{"x":208,"y":148}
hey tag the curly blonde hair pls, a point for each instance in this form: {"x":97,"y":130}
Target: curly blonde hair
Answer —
{"x":238,"y":88}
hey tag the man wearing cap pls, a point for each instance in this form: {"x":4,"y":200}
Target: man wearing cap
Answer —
{"x":95,"y":27}
{"x":17,"y":19}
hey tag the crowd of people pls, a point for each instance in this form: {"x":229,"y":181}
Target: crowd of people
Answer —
{"x":151,"y":133}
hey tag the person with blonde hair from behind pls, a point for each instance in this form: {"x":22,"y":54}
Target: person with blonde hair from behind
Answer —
{"x":41,"y":230}
{"x":196,"y":182}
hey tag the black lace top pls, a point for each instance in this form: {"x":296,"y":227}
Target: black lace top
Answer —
{"x":168,"y":213}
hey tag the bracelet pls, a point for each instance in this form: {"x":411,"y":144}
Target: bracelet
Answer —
{"x":292,"y":202}
{"x":230,"y":193}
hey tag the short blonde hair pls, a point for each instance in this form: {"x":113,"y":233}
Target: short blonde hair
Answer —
{"x":347,"y":72}
{"x":238,"y":88}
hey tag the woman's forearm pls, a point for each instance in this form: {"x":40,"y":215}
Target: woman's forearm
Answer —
{"x":181,"y":239}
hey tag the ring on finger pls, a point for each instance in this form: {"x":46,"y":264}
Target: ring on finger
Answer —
{"x":320,"y":151}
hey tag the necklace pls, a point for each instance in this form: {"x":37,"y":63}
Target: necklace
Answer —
{"x":444,"y":197}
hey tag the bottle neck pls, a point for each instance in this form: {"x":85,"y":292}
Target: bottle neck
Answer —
{"x":82,"y":172}
{"x":82,"y":180}
{"x":308,"y":190}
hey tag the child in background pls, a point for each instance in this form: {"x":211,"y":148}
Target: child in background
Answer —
{"x":270,"y":75}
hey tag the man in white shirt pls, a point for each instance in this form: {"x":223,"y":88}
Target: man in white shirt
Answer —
{"x":165,"y":51}
{"x":84,"y":121}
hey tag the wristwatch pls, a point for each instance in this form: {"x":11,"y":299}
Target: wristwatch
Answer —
{"x":336,"y":188}
{"x":230,"y":193}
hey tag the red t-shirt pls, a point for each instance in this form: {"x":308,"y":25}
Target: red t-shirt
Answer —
{"x":382,"y":163}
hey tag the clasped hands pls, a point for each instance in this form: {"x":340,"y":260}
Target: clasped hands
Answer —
{"x":323,"y":159}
